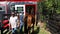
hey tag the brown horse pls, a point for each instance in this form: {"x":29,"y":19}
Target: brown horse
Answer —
{"x":30,"y":22}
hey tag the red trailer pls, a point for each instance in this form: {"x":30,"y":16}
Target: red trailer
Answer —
{"x":22,"y":7}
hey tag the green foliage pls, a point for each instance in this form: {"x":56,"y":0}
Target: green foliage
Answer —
{"x":49,"y":5}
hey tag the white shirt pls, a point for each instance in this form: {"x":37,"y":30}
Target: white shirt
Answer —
{"x":13,"y":21}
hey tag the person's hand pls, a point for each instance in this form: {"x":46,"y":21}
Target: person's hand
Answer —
{"x":10,"y":26}
{"x":18,"y":23}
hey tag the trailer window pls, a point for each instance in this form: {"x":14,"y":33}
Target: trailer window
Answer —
{"x":20,"y":9}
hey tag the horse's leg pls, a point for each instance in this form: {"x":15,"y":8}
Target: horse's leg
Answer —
{"x":33,"y":28}
{"x":29,"y":30}
{"x":25,"y":28}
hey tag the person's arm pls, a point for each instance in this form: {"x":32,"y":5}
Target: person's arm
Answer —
{"x":18,"y":23}
{"x":9,"y":24}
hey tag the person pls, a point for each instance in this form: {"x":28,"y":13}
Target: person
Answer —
{"x":21,"y":22}
{"x":12,"y":22}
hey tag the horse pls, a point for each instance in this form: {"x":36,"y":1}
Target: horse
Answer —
{"x":29,"y":23}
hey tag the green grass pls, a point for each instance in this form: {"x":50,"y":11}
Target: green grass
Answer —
{"x":38,"y":30}
{"x":0,"y":31}
{"x":43,"y":31}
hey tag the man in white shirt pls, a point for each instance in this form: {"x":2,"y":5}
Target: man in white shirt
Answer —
{"x":13,"y":22}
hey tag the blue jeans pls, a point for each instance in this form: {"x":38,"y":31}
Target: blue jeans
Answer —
{"x":21,"y":25}
{"x":13,"y":30}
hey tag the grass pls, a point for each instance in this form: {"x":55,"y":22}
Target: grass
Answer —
{"x":0,"y":31}
{"x":43,"y":31}
{"x":38,"y":30}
